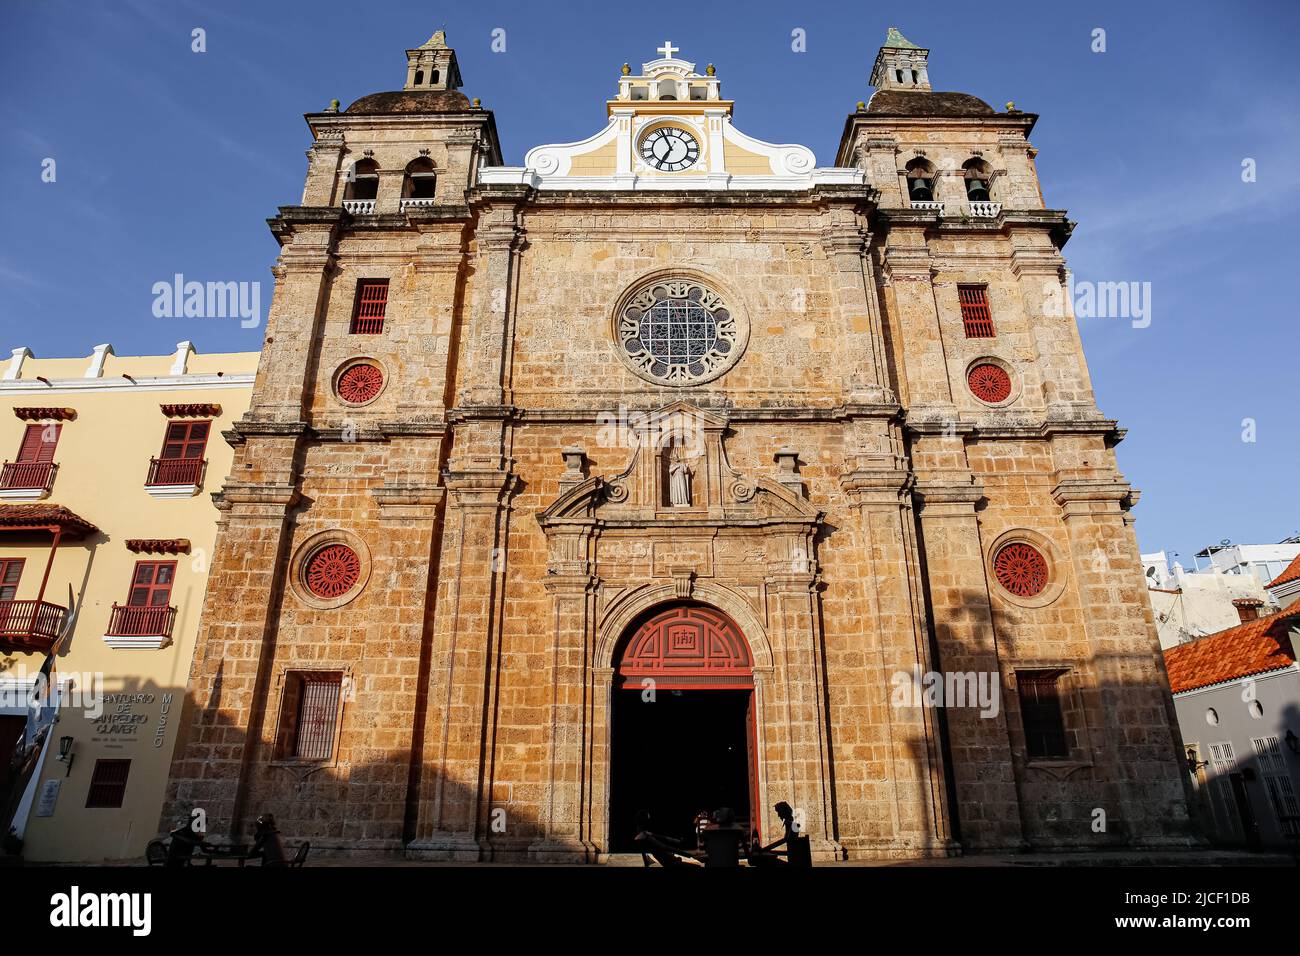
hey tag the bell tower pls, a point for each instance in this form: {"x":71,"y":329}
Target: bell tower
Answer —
{"x":432,"y":66}
{"x":901,"y":65}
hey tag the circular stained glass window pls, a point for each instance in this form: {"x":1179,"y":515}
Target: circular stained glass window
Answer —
{"x":332,"y":571}
{"x":360,"y":383}
{"x":989,"y":383}
{"x":678,"y":332}
{"x":1021,"y":569}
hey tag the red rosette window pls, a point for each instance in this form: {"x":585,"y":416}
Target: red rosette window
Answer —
{"x":1021,"y":569}
{"x":332,"y":571}
{"x":360,"y":383}
{"x":989,"y":383}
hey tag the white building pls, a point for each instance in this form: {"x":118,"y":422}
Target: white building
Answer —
{"x":1231,"y":589}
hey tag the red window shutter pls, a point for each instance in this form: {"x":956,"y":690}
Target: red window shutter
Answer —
{"x":39,"y":442}
{"x":11,"y":569}
{"x":372,"y":303}
{"x":975,"y":314}
{"x":185,"y":440}
{"x":151,"y":584}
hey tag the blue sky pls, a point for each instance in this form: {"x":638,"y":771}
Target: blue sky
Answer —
{"x":170,"y":161}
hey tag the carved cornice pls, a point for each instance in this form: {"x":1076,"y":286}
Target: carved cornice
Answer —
{"x":158,"y":545}
{"x":46,"y":414}
{"x":191,"y":410}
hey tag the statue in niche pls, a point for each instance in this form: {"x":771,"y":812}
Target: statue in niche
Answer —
{"x":679,"y":479}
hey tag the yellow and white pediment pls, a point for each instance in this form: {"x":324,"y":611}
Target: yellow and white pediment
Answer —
{"x":669,"y":128}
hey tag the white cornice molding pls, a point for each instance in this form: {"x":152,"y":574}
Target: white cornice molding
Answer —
{"x":521,"y":175}
{"x":153,"y":384}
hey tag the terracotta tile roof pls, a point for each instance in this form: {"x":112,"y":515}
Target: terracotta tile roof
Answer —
{"x":1251,"y":648}
{"x":27,"y":517}
{"x":1290,"y":573}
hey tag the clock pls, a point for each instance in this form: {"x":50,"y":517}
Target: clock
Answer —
{"x":669,"y":149}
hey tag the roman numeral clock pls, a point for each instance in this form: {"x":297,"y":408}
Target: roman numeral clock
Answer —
{"x":669,"y":149}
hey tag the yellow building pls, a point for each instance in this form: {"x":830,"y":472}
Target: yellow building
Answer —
{"x":106,"y":532}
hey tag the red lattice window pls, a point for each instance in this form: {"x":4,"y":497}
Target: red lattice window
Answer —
{"x":360,"y":383}
{"x":332,"y":571}
{"x":989,"y":383}
{"x":1021,"y":569}
{"x":975,"y":314}
{"x":372,"y":302}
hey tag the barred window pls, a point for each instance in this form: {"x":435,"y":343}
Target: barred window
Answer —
{"x":975,"y":315}
{"x":371,"y":304}
{"x":108,"y":784}
{"x":309,"y":715}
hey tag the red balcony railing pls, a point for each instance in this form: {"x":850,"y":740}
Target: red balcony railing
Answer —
{"x":35,"y":475}
{"x":30,"y":625}
{"x":175,"y":471}
{"x":131,"y":621}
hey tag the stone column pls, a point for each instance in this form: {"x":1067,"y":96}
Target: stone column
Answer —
{"x":796,"y":710}
{"x":455,"y":791}
{"x":1137,"y":748}
{"x":988,"y":804}
{"x":303,"y":276}
{"x":325,"y":159}
{"x":861,"y":338}
{"x":906,"y":813}
{"x":564,"y":838}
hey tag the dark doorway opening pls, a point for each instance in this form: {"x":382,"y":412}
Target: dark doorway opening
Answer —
{"x":683,"y":752}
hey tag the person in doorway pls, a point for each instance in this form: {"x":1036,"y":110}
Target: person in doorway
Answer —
{"x":663,"y":850}
{"x":795,"y":845}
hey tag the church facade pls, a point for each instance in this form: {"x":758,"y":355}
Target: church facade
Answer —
{"x":670,"y":471}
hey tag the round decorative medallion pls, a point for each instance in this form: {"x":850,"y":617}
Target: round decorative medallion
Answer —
{"x":1021,"y":569}
{"x":989,"y":383}
{"x":678,"y":332}
{"x":332,"y":571}
{"x":360,"y":383}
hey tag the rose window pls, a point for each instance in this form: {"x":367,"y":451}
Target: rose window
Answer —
{"x":989,"y":383}
{"x":360,"y":383}
{"x":332,"y":571}
{"x":1021,"y":569}
{"x":678,"y":332}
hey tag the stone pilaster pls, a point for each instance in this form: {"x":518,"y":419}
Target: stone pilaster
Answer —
{"x":988,"y":804}
{"x":905,"y":813}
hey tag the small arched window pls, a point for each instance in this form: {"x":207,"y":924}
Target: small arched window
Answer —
{"x":920,"y":181}
{"x":977,"y":176}
{"x":419,"y":77}
{"x":421,"y":180}
{"x":364,"y":182}
{"x":433,"y":76}
{"x":667,"y":89}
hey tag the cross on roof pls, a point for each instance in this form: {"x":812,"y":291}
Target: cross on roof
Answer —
{"x":668,"y":49}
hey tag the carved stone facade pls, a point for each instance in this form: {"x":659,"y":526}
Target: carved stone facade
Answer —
{"x":508,"y":494}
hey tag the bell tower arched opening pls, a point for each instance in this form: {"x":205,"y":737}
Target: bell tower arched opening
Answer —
{"x":682,"y":723}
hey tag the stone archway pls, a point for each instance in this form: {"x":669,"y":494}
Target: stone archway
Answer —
{"x":682,"y":722}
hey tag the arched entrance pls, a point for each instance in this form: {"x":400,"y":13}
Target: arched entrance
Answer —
{"x":682,"y":728}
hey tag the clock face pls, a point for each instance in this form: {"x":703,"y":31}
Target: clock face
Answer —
{"x":669,"y":149}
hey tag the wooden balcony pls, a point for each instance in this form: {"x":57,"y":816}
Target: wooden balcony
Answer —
{"x":27,"y":478}
{"x":180,"y":473}
{"x":30,"y":626}
{"x":133,"y":626}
